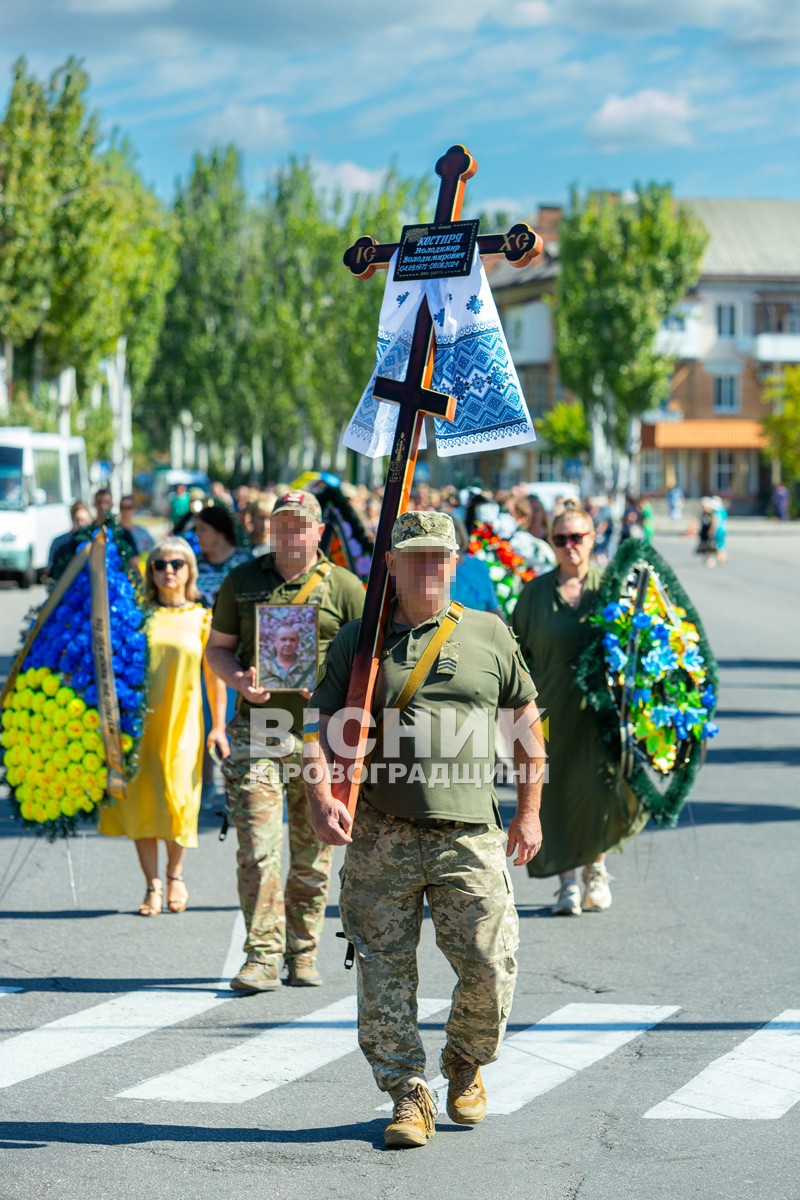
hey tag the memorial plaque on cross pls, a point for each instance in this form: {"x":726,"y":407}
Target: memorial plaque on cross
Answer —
{"x":414,"y":398}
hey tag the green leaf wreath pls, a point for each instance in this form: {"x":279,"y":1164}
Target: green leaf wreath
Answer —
{"x":651,"y":678}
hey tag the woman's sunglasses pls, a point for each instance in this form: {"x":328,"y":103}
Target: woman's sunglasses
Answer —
{"x":161,"y":564}
{"x":569,"y":539}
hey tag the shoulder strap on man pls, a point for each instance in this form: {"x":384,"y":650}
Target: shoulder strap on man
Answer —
{"x":316,"y":577}
{"x":420,"y":672}
{"x":428,"y":656}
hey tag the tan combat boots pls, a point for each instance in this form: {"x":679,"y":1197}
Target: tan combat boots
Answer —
{"x":412,"y":1122}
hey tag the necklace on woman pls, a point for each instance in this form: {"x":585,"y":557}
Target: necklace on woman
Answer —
{"x":165,"y":604}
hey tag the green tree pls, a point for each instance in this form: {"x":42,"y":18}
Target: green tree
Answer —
{"x":624,"y":266}
{"x":782,"y":424}
{"x":141,"y":258}
{"x":206,"y":324}
{"x":86,"y":251}
{"x":565,"y":429}
{"x":320,"y":322}
{"x":26,"y":235}
{"x":113,"y":243}
{"x":266,"y":333}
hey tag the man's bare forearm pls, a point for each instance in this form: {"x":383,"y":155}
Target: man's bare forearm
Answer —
{"x":224,"y":664}
{"x":331,"y":820}
{"x":317,"y":771}
{"x":529,"y":766}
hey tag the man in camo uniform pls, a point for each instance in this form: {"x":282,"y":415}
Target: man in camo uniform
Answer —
{"x":277,"y":925}
{"x":430,"y":829}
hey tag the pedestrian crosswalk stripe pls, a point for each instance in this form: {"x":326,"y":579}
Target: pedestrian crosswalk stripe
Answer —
{"x":112,"y":1023}
{"x":759,"y":1080}
{"x":99,"y":1028}
{"x":555,"y":1049}
{"x":267,"y":1061}
{"x":233,"y":959}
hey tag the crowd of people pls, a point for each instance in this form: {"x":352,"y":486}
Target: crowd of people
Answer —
{"x":433,"y":840}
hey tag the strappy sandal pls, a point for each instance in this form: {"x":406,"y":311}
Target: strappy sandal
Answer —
{"x":153,"y":901}
{"x":179,"y":905}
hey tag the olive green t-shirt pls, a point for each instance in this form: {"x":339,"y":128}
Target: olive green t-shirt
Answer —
{"x":340,"y":596}
{"x":478,"y":671}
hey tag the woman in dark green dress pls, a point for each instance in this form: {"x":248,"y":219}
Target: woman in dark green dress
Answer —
{"x":586,"y":808}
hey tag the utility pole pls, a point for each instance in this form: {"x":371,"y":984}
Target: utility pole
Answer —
{"x":66,"y":394}
{"x":5,"y":407}
{"x":119,"y":398}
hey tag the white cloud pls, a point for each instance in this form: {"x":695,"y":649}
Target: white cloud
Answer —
{"x":494,"y":205}
{"x":112,"y":8}
{"x":348,"y":177}
{"x":644,"y":17}
{"x":530,"y":12}
{"x":771,"y":36}
{"x":255,"y":127}
{"x":647,"y":120}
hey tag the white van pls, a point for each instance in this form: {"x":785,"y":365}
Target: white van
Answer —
{"x":40,"y":476}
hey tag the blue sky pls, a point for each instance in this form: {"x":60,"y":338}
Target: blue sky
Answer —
{"x":704,"y":94}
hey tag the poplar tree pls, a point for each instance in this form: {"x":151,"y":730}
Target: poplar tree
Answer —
{"x":625,"y":264}
{"x":26,"y":234}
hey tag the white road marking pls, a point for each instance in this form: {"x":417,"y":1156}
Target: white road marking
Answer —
{"x":759,"y":1080}
{"x":270,"y":1060}
{"x":99,"y":1028}
{"x":234,"y":959}
{"x":112,"y":1023}
{"x":546,"y":1054}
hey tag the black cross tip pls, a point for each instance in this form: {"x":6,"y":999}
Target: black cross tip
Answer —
{"x":458,"y":162}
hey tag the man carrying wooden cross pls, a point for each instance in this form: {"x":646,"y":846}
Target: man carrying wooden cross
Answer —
{"x":428,"y":825}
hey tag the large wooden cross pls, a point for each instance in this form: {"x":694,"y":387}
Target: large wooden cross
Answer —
{"x":414,"y":398}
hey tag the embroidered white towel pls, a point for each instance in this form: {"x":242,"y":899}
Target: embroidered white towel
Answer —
{"x":471,"y":362}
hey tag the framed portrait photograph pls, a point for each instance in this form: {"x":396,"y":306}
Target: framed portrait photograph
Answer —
{"x":287,"y":646}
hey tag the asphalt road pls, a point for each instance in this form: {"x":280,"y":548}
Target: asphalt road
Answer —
{"x":109,"y":1091}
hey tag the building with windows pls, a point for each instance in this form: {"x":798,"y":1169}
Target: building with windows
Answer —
{"x":740,"y":325}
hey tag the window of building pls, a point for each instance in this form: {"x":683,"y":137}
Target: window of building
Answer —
{"x":651,"y":470}
{"x":726,"y":394}
{"x":534,"y":380}
{"x":548,"y":467}
{"x":726,"y":320}
{"x":47,"y":470}
{"x":722,"y":471}
{"x":676,"y":321}
{"x":75,"y":477}
{"x":793,"y":317}
{"x":514,"y":324}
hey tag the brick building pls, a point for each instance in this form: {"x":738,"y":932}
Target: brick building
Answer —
{"x":739,"y":325}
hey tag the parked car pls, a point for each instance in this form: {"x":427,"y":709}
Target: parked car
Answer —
{"x":165,"y":481}
{"x":40,"y":476}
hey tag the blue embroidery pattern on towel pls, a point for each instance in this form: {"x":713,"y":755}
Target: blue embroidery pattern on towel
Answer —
{"x":475,"y":368}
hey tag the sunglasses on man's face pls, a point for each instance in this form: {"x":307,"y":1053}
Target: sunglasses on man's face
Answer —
{"x":569,"y":539}
{"x":161,"y":564}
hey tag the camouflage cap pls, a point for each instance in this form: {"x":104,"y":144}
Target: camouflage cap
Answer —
{"x":298,"y":501}
{"x":417,"y":530}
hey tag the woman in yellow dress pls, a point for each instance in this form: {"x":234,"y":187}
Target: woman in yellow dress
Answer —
{"x":162,"y":801}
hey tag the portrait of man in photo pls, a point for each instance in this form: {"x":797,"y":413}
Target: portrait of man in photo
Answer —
{"x":287,"y":646}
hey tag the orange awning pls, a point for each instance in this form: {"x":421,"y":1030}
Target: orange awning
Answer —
{"x":722,"y":433}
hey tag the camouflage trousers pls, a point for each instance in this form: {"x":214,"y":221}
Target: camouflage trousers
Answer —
{"x":390,"y":868}
{"x":278,"y":922}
